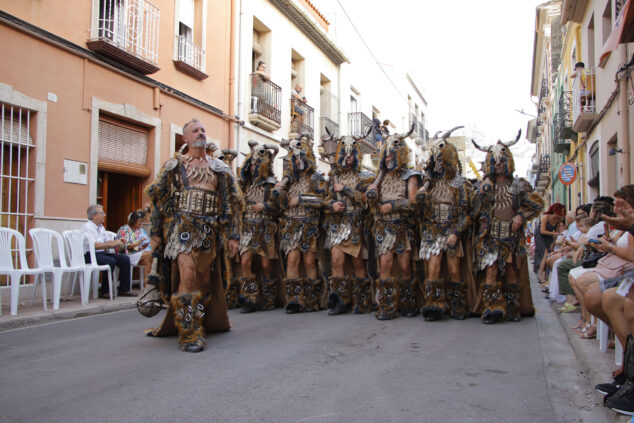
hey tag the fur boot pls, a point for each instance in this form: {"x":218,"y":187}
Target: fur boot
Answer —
{"x":387,"y":298}
{"x":294,"y":295}
{"x":338,"y":295}
{"x":361,"y":296}
{"x":493,"y":303}
{"x":457,"y":299}
{"x":189,"y":311}
{"x":435,"y":304}
{"x":512,"y":300}
{"x":313,"y":292}
{"x":407,"y":300}
{"x":232,"y":293}
{"x":248,"y":294}
{"x":268,"y":289}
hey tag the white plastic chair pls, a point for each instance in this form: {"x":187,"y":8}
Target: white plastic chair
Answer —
{"x":75,"y":242}
{"x":6,"y":266}
{"x":43,"y":240}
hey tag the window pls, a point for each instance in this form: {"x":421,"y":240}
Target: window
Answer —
{"x":190,"y":29}
{"x":607,"y":22}
{"x":593,"y":180}
{"x":590,"y":42}
{"x":18,"y":167}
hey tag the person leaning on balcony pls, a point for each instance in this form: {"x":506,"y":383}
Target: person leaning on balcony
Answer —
{"x":296,"y":94}
{"x":94,"y":227}
{"x":258,"y":90}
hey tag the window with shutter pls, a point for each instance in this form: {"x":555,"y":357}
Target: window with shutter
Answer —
{"x":122,"y":148}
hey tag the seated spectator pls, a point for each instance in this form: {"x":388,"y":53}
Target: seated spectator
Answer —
{"x":137,"y":242}
{"x":94,"y":227}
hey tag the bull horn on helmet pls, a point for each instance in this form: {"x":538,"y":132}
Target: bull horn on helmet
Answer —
{"x":272,"y":147}
{"x":328,"y":132}
{"x":517,"y":138}
{"x":408,"y":133}
{"x":436,"y":135}
{"x":446,"y":134}
{"x":485,"y":150}
{"x":252,"y":144}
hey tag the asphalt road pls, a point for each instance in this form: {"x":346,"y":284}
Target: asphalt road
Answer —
{"x":272,"y":367}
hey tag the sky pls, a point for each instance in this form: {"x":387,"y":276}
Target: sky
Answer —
{"x":472,"y":60}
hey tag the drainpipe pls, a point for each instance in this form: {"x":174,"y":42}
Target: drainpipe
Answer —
{"x":624,"y":138}
{"x":239,"y":84}
{"x":232,"y":68}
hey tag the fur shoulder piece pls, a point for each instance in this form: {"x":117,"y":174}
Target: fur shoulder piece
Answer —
{"x":409,"y":173}
{"x":520,"y":184}
{"x":220,"y":167}
{"x":366,"y":174}
{"x":170,"y":164}
{"x":458,"y":181}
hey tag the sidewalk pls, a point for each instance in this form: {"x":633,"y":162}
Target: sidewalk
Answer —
{"x":29,"y":315}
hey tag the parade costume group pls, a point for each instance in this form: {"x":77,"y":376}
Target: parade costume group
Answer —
{"x":402,"y":241}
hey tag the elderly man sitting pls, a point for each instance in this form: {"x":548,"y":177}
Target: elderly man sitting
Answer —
{"x":94,"y":227}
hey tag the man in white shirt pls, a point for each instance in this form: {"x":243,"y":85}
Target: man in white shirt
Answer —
{"x":94,"y":227}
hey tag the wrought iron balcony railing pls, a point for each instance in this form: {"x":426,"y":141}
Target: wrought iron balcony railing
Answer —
{"x":331,"y":126}
{"x":128,"y":31}
{"x":543,"y":174}
{"x":359,"y":125}
{"x":190,"y":58}
{"x":562,"y":124}
{"x":266,"y":102}
{"x":584,"y":106}
{"x":302,"y":118}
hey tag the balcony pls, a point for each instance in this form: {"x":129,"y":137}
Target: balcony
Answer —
{"x":190,"y":59}
{"x":359,"y":125}
{"x":301,"y":119}
{"x":584,"y":106}
{"x":266,"y":104}
{"x":331,"y":125}
{"x":127,"y":32}
{"x":420,"y":130}
{"x":329,"y":112}
{"x":542,"y":180}
{"x":562,"y":122}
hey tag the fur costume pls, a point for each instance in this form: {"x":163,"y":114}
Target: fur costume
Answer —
{"x":495,"y":205}
{"x":346,"y":229}
{"x":199,"y":223}
{"x":259,"y":228}
{"x":299,"y":224}
{"x":444,"y":207}
{"x":393,"y":232}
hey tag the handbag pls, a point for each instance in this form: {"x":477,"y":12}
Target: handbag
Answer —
{"x":592,"y":258}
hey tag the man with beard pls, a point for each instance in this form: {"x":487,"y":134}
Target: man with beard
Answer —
{"x":192,"y":202}
{"x":395,"y":190}
{"x":444,"y":203}
{"x":502,"y":207}
{"x":301,"y":202}
{"x":259,"y":227}
{"x":345,"y":229}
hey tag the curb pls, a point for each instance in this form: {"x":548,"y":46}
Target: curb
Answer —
{"x":18,"y":322}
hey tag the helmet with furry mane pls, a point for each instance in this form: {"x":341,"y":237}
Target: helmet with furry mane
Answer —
{"x":396,"y":147}
{"x":261,"y":155}
{"x":347,"y":146}
{"x":443,"y":156}
{"x":499,"y":153}
{"x":300,"y":157}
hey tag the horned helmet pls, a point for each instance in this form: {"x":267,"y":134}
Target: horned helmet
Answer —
{"x":499,"y":153}
{"x":300,"y":156}
{"x":395,"y":152}
{"x":259,"y":162}
{"x":443,"y":160}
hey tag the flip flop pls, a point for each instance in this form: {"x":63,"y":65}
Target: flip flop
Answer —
{"x":591,"y":333}
{"x":569,"y":308}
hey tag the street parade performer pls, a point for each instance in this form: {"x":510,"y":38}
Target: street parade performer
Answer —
{"x":192,"y":202}
{"x":301,"y":202}
{"x":259,"y":229}
{"x":502,"y":207}
{"x":444,"y":205}
{"x":395,"y":190}
{"x":345,"y":227}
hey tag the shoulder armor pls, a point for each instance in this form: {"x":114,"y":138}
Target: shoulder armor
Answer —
{"x":171,"y":164}
{"x":220,"y":167}
{"x":366,"y":174}
{"x":458,"y":181}
{"x":409,"y":173}
{"x":318,"y":176}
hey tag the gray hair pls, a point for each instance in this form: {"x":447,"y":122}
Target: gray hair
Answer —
{"x":194,"y":120}
{"x":93,"y":209}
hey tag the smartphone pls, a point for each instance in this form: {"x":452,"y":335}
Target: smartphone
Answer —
{"x":594,"y":241}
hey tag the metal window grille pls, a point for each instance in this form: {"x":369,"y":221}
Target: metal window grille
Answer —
{"x":190,"y":53}
{"x":132,"y":25}
{"x":121,"y":143}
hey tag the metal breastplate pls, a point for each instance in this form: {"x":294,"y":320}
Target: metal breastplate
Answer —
{"x":392,"y":188}
{"x":197,"y":201}
{"x":254,"y":194}
{"x":502,"y":202}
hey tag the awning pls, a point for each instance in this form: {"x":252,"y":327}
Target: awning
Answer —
{"x":623,"y":32}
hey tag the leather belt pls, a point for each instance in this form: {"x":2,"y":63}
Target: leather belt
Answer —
{"x":501,"y":229}
{"x":198,"y":201}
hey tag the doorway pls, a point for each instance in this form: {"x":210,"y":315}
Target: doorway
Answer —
{"x":119,"y":194}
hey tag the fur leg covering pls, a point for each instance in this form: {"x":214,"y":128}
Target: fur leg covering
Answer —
{"x":232,"y":293}
{"x":457,"y":299}
{"x":361,"y":296}
{"x":407,"y":297}
{"x":387,"y":298}
{"x":338,"y":295}
{"x":313,"y":292}
{"x":248,"y":293}
{"x":435,"y":304}
{"x":493,"y":303}
{"x":268,"y":289}
{"x":189,"y":311}
{"x":512,"y":300}
{"x":294,"y":295}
